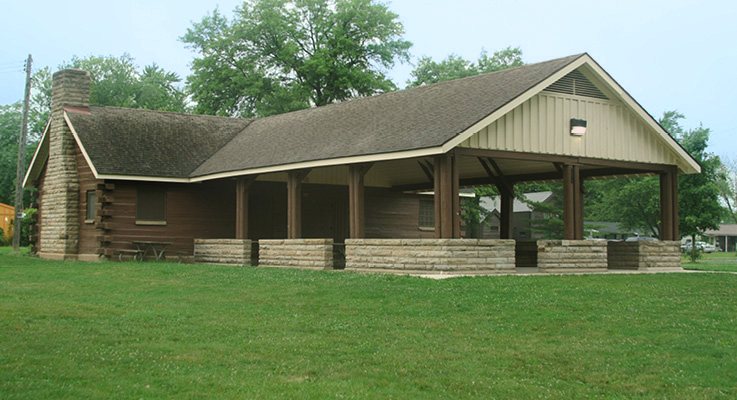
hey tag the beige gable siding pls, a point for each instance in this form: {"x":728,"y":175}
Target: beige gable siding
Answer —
{"x":542,"y":125}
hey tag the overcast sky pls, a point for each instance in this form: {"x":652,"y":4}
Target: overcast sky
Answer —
{"x":669,"y":55}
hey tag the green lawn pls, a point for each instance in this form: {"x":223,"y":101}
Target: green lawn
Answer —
{"x":158,"y":330}
{"x":712,"y":262}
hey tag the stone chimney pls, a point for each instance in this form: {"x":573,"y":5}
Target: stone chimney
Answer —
{"x":59,"y":197}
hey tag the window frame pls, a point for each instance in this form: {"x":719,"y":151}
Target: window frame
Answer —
{"x":163,"y":205}
{"x":89,"y":216}
{"x":424,"y":217}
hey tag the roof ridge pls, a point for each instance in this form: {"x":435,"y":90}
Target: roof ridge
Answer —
{"x":417,"y":88}
{"x":174,"y":113}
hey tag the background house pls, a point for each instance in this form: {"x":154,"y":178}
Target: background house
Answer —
{"x":524,"y":215}
{"x":725,"y":236}
{"x":608,"y":230}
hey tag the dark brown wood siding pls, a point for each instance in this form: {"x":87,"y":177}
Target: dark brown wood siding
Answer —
{"x":207,"y":210}
{"x":389,"y":214}
{"x":196,"y":210}
{"x":88,"y":234}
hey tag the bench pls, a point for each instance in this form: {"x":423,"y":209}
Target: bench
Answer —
{"x":136,"y":253}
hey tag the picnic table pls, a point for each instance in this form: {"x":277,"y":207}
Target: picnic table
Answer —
{"x":156,"y":247}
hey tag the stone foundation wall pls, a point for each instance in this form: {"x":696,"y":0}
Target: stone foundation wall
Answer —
{"x":644,"y":255}
{"x":296,"y":253}
{"x":223,"y":251}
{"x":565,"y":256}
{"x":430,"y":255}
{"x":526,"y":254}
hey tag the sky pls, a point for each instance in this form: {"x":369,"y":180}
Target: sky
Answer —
{"x":669,"y":55}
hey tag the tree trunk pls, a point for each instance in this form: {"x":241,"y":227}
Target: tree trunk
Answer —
{"x":693,"y":248}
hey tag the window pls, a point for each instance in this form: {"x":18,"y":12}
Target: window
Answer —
{"x":151,"y":207}
{"x":91,"y":200}
{"x":427,"y":213}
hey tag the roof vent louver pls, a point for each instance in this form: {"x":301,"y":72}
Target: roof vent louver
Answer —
{"x":575,"y":83}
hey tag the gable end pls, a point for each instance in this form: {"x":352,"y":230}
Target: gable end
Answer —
{"x":575,"y":83}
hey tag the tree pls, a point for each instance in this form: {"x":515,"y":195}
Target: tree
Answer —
{"x":10,"y":120}
{"x":698,"y":194}
{"x":633,"y":202}
{"x":284,"y":55}
{"x":428,"y":71}
{"x":728,"y":187}
{"x":552,"y":226}
{"x":117,"y":82}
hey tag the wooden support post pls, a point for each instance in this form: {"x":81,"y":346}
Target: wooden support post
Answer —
{"x":506,"y":225}
{"x":438,"y":188}
{"x":569,"y":209}
{"x":666,"y":207}
{"x":455,"y":197}
{"x":669,"y":205}
{"x":294,"y":203}
{"x":578,"y":204}
{"x":572,"y":203}
{"x":674,"y":178}
{"x":356,"y":212}
{"x":447,"y":202}
{"x":506,"y":191}
{"x":242,"y":187}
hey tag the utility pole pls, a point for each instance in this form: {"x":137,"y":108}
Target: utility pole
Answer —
{"x":21,"y":171}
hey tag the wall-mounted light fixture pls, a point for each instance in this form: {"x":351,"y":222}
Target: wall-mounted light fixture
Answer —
{"x":578,"y":127}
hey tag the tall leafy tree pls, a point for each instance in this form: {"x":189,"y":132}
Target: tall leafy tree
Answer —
{"x":10,"y":120}
{"x":698,"y":194}
{"x":116,"y":81}
{"x":728,"y":187}
{"x":635,"y":202}
{"x":277,"y":56}
{"x":428,"y":71}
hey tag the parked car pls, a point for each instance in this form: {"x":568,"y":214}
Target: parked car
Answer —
{"x":640,"y":238}
{"x":700,"y":246}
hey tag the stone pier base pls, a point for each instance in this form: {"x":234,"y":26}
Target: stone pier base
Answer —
{"x":296,"y":253}
{"x":571,"y":256}
{"x":645,"y":255}
{"x":223,"y":251}
{"x":478,"y":256}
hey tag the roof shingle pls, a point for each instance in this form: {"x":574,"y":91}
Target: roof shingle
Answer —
{"x":136,"y":142}
{"x":123,"y":141}
{"x":423,"y":117}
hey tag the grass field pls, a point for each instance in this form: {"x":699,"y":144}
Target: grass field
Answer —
{"x":713,"y":262}
{"x":158,"y":330}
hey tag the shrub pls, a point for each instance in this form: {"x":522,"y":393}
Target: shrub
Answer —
{"x":25,"y":226}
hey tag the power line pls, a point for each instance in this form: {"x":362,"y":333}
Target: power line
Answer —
{"x":18,"y":68}
{"x":19,"y":63}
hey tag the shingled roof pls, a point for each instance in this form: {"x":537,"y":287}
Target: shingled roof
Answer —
{"x":141,"y":143}
{"x":124,"y":141}
{"x":418,"y":118}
